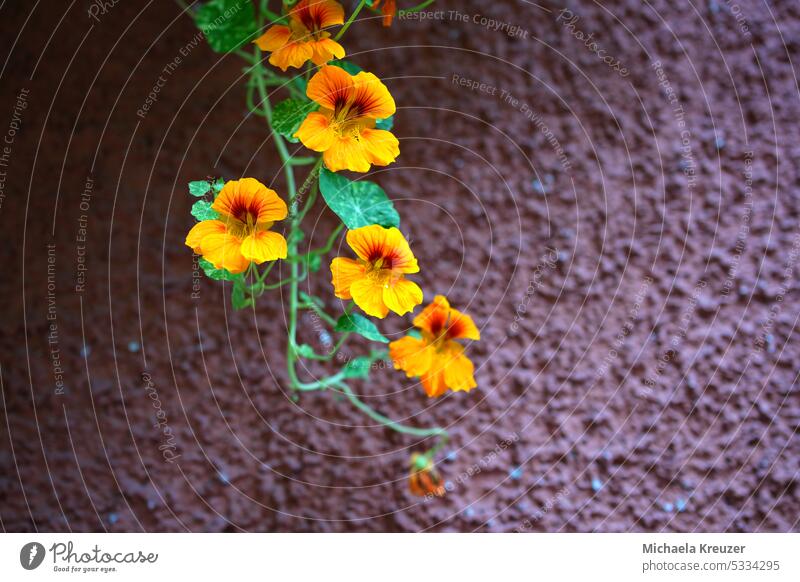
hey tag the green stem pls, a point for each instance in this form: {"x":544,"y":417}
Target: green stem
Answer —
{"x":320,"y":312}
{"x":350,"y":20}
{"x":385,"y":420}
{"x":327,"y":357}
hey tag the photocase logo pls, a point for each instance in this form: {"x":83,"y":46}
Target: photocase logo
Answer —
{"x":31,"y":555}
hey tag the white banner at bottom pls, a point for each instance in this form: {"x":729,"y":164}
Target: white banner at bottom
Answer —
{"x":400,"y":557}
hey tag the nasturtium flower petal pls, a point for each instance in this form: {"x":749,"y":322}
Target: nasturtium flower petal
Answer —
{"x":412,"y":355}
{"x":275,"y":37}
{"x":223,"y":251}
{"x":380,"y":146}
{"x":201,"y":230}
{"x":263,"y":246}
{"x":345,"y":272}
{"x":316,"y":131}
{"x":368,"y":295}
{"x":372,"y":96}
{"x":402,"y":296}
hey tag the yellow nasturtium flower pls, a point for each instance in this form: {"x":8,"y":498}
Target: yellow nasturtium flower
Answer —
{"x":436,"y":357}
{"x":242,"y":234}
{"x":376,"y":281}
{"x":344,"y":126}
{"x":306,"y":37}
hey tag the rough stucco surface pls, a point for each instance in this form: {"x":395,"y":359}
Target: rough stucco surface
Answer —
{"x":631,"y":266}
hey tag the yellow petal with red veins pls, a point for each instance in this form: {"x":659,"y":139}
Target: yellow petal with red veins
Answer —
{"x":368,"y":295}
{"x":433,"y":318}
{"x":223,"y":251}
{"x":411,"y":355}
{"x":368,"y":242}
{"x":263,"y":246}
{"x":330,"y":86}
{"x":324,"y":13}
{"x":396,"y":247}
{"x":402,"y":296}
{"x":274,"y":38}
{"x":345,"y":272}
{"x":462,"y":327}
{"x":381,"y":146}
{"x":326,"y":49}
{"x":201,"y":230}
{"x":294,"y":54}
{"x":315,"y":132}
{"x":372,"y":97}
{"x":248,"y":195}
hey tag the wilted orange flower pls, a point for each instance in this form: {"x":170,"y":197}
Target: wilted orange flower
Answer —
{"x":305,"y":38}
{"x":247,"y":211}
{"x":436,"y":357}
{"x":424,"y":479}
{"x":389,"y":9}
{"x":344,"y":126}
{"x":375,"y":281}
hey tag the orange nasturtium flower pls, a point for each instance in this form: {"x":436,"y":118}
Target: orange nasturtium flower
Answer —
{"x":344,"y":126}
{"x":376,"y":281}
{"x":247,"y":211}
{"x":305,"y":38}
{"x":424,"y":479}
{"x":436,"y":357}
{"x":389,"y":9}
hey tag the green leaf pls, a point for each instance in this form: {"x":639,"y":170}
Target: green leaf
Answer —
{"x":217,"y":274}
{"x":357,"y":323}
{"x":305,"y":351}
{"x":217,"y":185}
{"x":239,"y":299}
{"x":288,"y":115}
{"x":351,"y":68}
{"x":357,"y":203}
{"x":357,"y":367}
{"x":386,"y":124}
{"x":314,"y":262}
{"x":202,"y":210}
{"x":199,"y":188}
{"x":226,"y":24}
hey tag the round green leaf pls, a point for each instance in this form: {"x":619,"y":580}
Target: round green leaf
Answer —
{"x":357,"y":323}
{"x":357,"y":203}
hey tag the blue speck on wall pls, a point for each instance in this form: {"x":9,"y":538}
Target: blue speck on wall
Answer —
{"x":113,"y":518}
{"x":85,"y":351}
{"x":667,"y":507}
{"x":515,"y":473}
{"x":133,"y":346}
{"x":469,"y":512}
{"x":596,"y":485}
{"x":680,"y":504}
{"x":223,"y":477}
{"x":452,"y":456}
{"x":151,"y":505}
{"x":538,"y":186}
